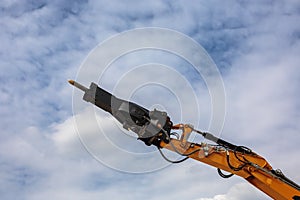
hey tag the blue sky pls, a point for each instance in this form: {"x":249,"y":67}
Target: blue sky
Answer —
{"x":255,"y":46}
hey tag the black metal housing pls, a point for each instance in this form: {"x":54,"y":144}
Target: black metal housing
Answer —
{"x":150,"y":126}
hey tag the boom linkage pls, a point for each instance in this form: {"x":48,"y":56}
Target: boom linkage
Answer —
{"x":246,"y":164}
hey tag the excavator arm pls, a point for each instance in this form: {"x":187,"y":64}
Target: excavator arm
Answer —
{"x":244,"y":163}
{"x":154,"y":128}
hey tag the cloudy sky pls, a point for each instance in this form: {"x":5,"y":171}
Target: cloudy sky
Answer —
{"x":43,"y":43}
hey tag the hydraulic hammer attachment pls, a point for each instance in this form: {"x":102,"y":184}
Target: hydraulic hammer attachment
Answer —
{"x":152,"y":127}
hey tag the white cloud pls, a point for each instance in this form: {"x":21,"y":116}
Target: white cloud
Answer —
{"x":255,"y":44}
{"x":237,"y":192}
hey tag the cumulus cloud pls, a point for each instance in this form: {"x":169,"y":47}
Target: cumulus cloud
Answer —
{"x":255,"y":45}
{"x":238,"y":191}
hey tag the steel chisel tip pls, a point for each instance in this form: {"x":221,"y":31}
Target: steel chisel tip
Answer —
{"x":71,"y":82}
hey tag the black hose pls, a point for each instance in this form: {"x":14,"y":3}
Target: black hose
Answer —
{"x":224,"y":175}
{"x":232,"y":167}
{"x":171,"y":161}
{"x":245,"y":161}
